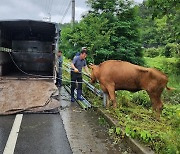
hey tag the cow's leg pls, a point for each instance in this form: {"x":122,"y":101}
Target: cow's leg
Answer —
{"x":108,"y":101}
{"x":156,"y":102}
{"x":111,"y":91}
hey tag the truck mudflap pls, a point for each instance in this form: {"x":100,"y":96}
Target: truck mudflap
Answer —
{"x":27,"y":96}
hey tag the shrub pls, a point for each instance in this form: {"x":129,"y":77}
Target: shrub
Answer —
{"x":167,"y":65}
{"x":153,"y":52}
{"x":172,"y":50}
{"x":69,"y":54}
{"x":141,"y":98}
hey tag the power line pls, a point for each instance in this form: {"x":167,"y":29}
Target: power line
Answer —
{"x":46,"y":5}
{"x":47,"y":9}
{"x":60,"y":7}
{"x":50,"y":6}
{"x":65,"y":13}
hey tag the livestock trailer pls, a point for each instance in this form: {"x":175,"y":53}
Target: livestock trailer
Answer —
{"x":27,"y":60}
{"x":28,"y":47}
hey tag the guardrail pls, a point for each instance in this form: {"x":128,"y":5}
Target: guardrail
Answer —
{"x":84,"y":104}
{"x":96,"y":91}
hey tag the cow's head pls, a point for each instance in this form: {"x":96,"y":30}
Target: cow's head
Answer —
{"x":93,"y":73}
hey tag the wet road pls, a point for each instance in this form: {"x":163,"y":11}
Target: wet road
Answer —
{"x":5,"y":128}
{"x":42,"y":134}
{"x":73,"y":130}
{"x":39,"y":133}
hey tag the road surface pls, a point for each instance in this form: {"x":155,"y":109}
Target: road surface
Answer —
{"x":72,"y":130}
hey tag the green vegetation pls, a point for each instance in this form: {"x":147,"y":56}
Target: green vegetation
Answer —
{"x":109,"y":30}
{"x":135,"y":116}
{"x":159,"y":22}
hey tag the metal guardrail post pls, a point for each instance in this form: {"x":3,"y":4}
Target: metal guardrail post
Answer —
{"x":84,"y":104}
{"x":93,"y":89}
{"x":104,"y":99}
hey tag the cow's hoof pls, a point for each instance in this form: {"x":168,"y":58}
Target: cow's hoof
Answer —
{"x":107,"y":108}
{"x":114,"y":106}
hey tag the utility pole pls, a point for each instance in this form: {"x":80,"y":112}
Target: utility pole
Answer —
{"x":49,"y":17}
{"x":73,"y":12}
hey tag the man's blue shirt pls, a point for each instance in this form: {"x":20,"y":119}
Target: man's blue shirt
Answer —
{"x":79,"y":63}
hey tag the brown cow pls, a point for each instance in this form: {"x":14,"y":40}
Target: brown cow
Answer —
{"x":120,"y":75}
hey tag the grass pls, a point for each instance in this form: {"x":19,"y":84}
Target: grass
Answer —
{"x":138,"y":121}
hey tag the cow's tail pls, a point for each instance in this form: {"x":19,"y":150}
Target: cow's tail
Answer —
{"x":168,"y":88}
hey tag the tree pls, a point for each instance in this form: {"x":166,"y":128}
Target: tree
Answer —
{"x":109,"y":30}
{"x":163,"y":7}
{"x":169,"y":9}
{"x":159,"y":22}
{"x":123,"y":28}
{"x":89,"y":32}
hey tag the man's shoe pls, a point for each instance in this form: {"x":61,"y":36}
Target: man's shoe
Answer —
{"x":79,"y":95}
{"x":80,"y":99}
{"x":72,"y":99}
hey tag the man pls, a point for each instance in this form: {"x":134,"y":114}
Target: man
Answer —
{"x":77,"y":64}
{"x":59,"y":61}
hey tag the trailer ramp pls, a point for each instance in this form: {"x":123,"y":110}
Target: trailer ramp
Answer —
{"x":27,"y":96}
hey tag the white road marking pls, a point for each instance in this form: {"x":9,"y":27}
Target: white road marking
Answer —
{"x":11,"y":142}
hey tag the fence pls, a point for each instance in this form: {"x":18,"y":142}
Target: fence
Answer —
{"x":84,"y":104}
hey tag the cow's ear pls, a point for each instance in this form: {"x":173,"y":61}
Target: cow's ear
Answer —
{"x":91,"y":65}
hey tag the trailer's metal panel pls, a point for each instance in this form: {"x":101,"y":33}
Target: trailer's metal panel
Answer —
{"x":32,"y":46}
{"x":34,"y":61}
{"x":29,"y":30}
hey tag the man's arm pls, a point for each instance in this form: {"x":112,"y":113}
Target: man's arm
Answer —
{"x":87,"y":70}
{"x":74,"y":68}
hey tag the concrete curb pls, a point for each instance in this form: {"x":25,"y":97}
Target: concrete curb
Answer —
{"x":134,"y":144}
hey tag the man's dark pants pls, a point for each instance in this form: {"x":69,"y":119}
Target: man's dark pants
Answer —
{"x":76,"y":77}
{"x":59,"y":79}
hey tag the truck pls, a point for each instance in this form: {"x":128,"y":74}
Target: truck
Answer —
{"x":27,"y":61}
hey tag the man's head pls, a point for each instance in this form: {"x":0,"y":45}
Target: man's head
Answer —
{"x":83,"y":54}
{"x":59,"y":53}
